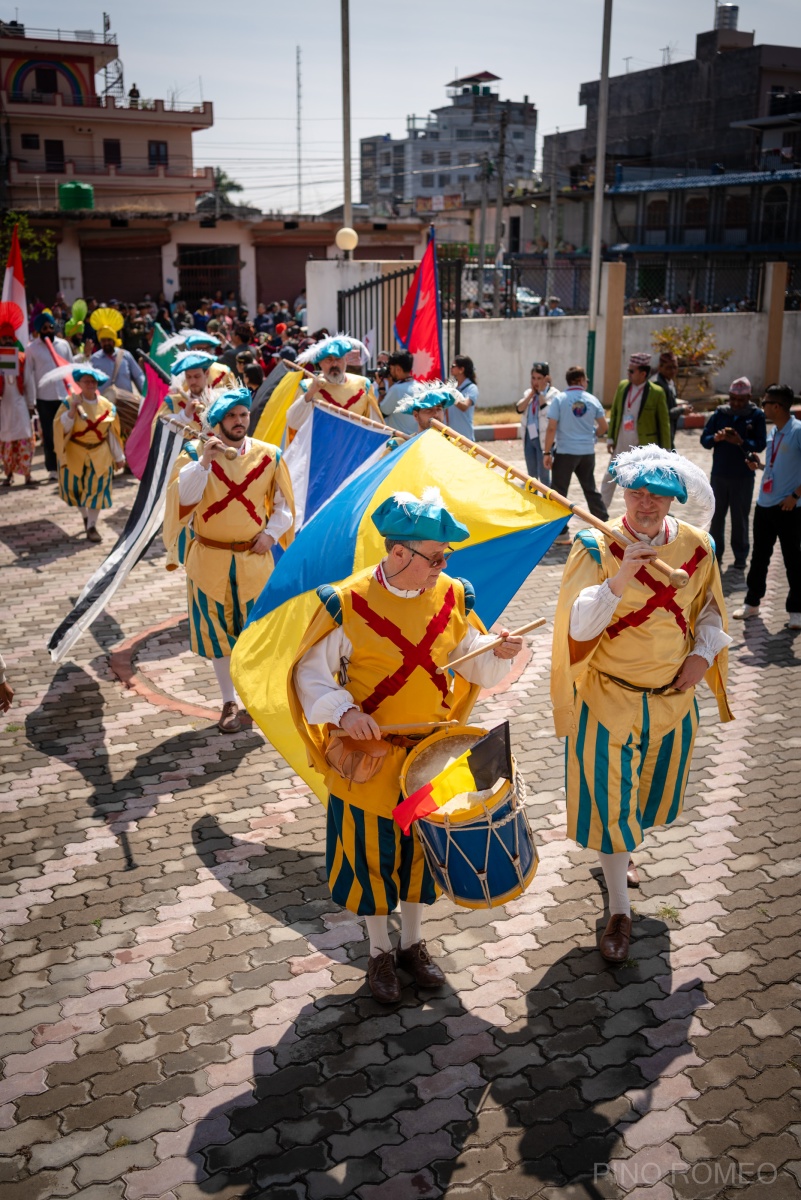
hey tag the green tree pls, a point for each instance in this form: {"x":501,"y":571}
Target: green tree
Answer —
{"x":35,"y":244}
{"x":224,"y":186}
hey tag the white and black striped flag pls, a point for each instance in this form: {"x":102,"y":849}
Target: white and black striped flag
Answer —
{"x":143,"y":524}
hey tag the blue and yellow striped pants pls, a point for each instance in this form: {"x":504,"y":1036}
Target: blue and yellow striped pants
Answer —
{"x":90,"y":489}
{"x":214,"y":627}
{"x":371,"y":865}
{"x":616,"y":790}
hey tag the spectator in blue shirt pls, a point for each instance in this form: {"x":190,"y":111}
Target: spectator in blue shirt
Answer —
{"x":778,"y":508}
{"x":734,"y":431}
{"x":575,"y":416}
{"x":460,"y":416}
{"x":403,"y":385}
{"x":555,"y":307}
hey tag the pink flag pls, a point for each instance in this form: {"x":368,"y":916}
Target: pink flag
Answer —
{"x":137,"y":446}
{"x":14,"y":287}
{"x":418,"y":325}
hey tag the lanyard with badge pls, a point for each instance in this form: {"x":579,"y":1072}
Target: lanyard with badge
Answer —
{"x":532,"y":422}
{"x":767,"y":484}
{"x":631,"y":400}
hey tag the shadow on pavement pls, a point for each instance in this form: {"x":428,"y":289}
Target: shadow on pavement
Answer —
{"x":341,"y":1085}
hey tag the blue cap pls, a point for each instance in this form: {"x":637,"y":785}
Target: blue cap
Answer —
{"x":185,"y":362}
{"x":222,"y":405}
{"x":660,"y":478}
{"x":406,"y":518}
{"x":435,"y":395}
{"x":201,"y":339}
{"x":83,"y":370}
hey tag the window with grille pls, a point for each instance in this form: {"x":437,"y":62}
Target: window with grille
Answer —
{"x":112,"y":152}
{"x":157,"y":154}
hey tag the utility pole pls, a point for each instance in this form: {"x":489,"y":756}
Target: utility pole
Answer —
{"x":496,"y":291}
{"x":482,"y":232}
{"x":627,"y":60}
{"x":598,"y":199}
{"x":552,"y":214}
{"x":297,"y":73}
{"x":348,"y":200}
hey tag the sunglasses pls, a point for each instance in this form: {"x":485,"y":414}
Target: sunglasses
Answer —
{"x":436,"y":560}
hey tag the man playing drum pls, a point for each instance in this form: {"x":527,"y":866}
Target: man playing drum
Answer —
{"x":369,"y":659}
{"x":628,"y":651}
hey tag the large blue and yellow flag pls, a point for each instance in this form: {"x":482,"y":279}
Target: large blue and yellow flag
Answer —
{"x":510,"y":527}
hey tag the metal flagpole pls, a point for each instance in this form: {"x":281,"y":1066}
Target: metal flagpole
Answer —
{"x":598,"y":199}
{"x":297,"y":71}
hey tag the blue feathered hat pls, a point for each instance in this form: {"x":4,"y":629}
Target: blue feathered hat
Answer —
{"x":429,"y":395}
{"x":665,"y":473}
{"x":82,"y":370}
{"x":409,"y":518}
{"x":201,"y":339}
{"x":338,"y":346}
{"x":222,"y":405}
{"x":186,"y":362}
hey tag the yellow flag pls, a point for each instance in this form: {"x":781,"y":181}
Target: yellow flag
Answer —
{"x":273,"y":420}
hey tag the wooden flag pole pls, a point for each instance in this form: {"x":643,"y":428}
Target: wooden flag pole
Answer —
{"x":492,"y":645}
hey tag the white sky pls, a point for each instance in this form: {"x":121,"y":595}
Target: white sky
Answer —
{"x":402,"y":55}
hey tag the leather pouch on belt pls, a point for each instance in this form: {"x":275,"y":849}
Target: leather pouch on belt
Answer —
{"x":356,"y":760}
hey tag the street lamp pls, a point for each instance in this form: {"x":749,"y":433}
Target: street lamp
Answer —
{"x":347,"y":239}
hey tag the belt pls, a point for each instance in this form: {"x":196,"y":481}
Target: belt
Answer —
{"x":635,"y":687}
{"x":236,"y":547}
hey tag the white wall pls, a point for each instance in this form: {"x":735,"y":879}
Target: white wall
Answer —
{"x":324,"y":279}
{"x":70,"y":266}
{"x":227,"y":233}
{"x":504,"y":350}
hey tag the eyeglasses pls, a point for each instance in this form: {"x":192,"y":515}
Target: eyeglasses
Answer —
{"x":436,"y":560}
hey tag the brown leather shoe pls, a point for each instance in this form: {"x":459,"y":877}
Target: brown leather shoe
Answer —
{"x":632,"y":875}
{"x":230,"y":721}
{"x":614,"y":944}
{"x":418,"y":962}
{"x":94,"y":534}
{"x":382,"y":978}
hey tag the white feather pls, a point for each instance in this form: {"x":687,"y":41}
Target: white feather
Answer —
{"x":58,"y":373}
{"x":630,"y":463}
{"x":177,"y":339}
{"x":432,"y":495}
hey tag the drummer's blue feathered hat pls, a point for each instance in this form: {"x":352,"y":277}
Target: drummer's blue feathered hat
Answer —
{"x":337,"y":346}
{"x":665,"y":473}
{"x":223,"y":404}
{"x":429,"y":395}
{"x":83,"y":370}
{"x":186,"y":362}
{"x":407,"y":518}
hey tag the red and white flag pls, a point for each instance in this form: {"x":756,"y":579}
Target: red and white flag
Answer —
{"x":14,"y":287}
{"x":418,"y":325}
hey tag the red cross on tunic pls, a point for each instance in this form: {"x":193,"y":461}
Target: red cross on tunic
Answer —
{"x":413,"y":655}
{"x":349,"y":404}
{"x":91,"y":427}
{"x":236,"y":491}
{"x":663,"y":595}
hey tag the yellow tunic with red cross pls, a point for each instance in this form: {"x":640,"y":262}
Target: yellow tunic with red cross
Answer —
{"x":398,"y":643}
{"x":628,"y":752}
{"x":85,"y":458}
{"x":237,"y":501}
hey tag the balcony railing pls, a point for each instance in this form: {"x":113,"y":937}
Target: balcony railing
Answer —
{"x":79,"y":168}
{"x":62,"y":100}
{"x":16,"y":29}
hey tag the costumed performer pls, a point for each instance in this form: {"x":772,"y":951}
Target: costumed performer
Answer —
{"x":17,"y":410}
{"x":47,"y":396}
{"x":333,"y":384}
{"x":369,"y":658}
{"x":238,"y":509}
{"x":628,"y":652}
{"x":88,"y":445}
{"x":428,"y":403}
{"x":189,"y":392}
{"x":198,"y":341}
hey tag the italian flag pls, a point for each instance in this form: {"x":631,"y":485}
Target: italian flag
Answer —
{"x":14,"y":287}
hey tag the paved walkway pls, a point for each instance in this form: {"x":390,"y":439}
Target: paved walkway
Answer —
{"x":184,"y":1011}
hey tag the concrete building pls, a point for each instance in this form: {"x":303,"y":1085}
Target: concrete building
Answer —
{"x":438,"y":166}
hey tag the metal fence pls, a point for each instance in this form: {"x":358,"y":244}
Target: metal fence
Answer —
{"x":368,"y":311}
{"x":701,"y":283}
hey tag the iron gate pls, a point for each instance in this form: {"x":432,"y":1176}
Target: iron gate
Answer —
{"x":368,"y":311}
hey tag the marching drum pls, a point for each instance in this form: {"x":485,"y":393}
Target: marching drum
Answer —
{"x":479,"y":846}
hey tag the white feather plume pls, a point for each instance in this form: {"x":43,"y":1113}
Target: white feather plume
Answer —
{"x":171,"y":343}
{"x":633,"y":462}
{"x":319,"y":349}
{"x":58,"y":374}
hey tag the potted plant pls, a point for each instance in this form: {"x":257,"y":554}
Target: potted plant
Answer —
{"x":696,"y":348}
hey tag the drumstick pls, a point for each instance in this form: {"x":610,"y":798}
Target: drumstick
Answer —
{"x":491,"y":645}
{"x":676,"y":575}
{"x":417,"y":725}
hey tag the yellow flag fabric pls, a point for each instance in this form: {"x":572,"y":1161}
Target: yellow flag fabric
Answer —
{"x":273,"y":420}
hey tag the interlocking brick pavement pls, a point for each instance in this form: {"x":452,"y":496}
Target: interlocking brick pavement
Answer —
{"x":183,"y":1010}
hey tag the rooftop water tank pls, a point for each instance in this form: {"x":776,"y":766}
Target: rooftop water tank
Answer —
{"x":727,"y":16}
{"x":75,"y":195}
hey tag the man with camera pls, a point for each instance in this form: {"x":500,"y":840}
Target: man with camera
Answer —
{"x":736,"y":434}
{"x":403,"y":386}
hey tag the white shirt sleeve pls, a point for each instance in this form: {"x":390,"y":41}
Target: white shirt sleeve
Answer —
{"x":592,"y":611}
{"x":192,"y":479}
{"x":281,"y":517}
{"x":487,"y":669}
{"x":114,"y":445}
{"x":324,"y":700}
{"x":67,"y":420}
{"x":710,"y":637}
